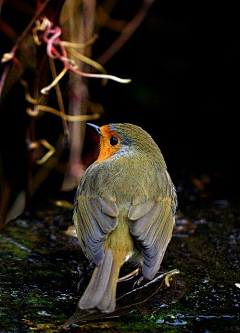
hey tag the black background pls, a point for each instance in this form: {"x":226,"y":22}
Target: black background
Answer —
{"x":184,"y":65}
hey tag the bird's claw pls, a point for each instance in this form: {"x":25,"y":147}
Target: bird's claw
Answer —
{"x":138,"y":282}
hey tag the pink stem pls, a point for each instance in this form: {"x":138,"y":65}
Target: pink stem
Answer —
{"x":53,"y":53}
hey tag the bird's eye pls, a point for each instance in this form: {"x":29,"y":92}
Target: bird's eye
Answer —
{"x":113,"y":141}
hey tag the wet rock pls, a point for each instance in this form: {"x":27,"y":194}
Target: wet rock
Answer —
{"x":41,"y":260}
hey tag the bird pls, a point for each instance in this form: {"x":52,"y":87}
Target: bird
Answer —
{"x":124,"y":210}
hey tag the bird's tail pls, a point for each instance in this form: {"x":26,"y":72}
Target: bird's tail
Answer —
{"x":101,"y":291}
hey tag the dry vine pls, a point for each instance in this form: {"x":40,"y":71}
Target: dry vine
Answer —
{"x":77,"y":21}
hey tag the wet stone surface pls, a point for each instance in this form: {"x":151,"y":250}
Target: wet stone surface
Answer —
{"x":41,"y":259}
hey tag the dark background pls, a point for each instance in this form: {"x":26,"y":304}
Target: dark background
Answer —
{"x":184,"y":64}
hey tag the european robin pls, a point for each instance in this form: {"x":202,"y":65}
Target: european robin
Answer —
{"x":124,"y":210}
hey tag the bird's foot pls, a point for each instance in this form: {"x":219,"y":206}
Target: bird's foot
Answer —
{"x":138,"y":282}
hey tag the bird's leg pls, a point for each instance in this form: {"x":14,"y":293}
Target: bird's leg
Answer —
{"x":138,"y":282}
{"x":83,"y":274}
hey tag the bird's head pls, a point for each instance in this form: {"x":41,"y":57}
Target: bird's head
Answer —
{"x":123,"y":138}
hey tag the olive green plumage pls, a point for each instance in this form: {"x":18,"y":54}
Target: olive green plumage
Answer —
{"x":124,"y":210}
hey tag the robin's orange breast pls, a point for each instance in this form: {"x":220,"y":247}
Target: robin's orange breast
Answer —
{"x":106,"y":148}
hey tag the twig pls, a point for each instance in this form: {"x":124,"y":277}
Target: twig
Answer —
{"x":51,"y":151}
{"x":19,"y":40}
{"x":90,"y":62}
{"x":127,"y":32}
{"x":59,"y":98}
{"x":1,"y":3}
{"x":4,"y":75}
{"x":30,"y":24}
{"x":55,"y":81}
{"x":51,"y":38}
{"x":80,"y":45}
{"x":67,"y":117}
{"x":8,"y":31}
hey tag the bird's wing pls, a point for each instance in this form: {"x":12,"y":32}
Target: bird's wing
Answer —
{"x":152,"y":222}
{"x":94,"y":219}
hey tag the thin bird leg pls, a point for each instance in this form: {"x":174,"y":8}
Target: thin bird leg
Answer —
{"x":138,"y":282}
{"x":129,"y":276}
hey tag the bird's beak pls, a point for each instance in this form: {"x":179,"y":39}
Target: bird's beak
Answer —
{"x":97,"y":128}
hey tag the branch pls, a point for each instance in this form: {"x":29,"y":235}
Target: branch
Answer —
{"x":127,"y":32}
{"x":18,"y":42}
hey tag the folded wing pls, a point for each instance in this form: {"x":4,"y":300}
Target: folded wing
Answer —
{"x":151,"y":223}
{"x":94,"y":219}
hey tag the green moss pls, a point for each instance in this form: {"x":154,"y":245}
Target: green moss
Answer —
{"x":38,"y":286}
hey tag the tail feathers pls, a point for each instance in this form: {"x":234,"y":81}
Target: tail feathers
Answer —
{"x":101,"y":291}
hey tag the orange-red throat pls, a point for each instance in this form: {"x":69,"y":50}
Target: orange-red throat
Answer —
{"x":106,"y":148}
